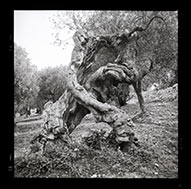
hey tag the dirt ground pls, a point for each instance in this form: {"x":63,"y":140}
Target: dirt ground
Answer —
{"x":157,"y":132}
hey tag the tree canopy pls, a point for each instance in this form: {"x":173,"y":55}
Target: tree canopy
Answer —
{"x":25,"y":80}
{"x":51,"y":84}
{"x":160,"y":39}
{"x":32,"y":87}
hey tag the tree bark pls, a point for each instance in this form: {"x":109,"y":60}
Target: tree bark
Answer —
{"x":95,"y":85}
{"x":115,"y":117}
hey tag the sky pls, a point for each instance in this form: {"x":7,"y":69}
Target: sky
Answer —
{"x":33,"y":32}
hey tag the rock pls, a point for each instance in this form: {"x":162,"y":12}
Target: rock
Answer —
{"x":154,"y":86}
{"x":175,"y":86}
{"x":50,"y":136}
{"x":89,"y":118}
{"x":164,"y":95}
{"x":94,"y":176}
{"x":156,"y":173}
{"x":85,"y":128}
{"x":156,"y":164}
{"x":17,"y":115}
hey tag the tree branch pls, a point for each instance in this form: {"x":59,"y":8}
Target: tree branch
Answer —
{"x":140,"y":29}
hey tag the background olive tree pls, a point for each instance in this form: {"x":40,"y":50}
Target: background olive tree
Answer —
{"x":32,"y":87}
{"x":51,"y":84}
{"x":25,"y":81}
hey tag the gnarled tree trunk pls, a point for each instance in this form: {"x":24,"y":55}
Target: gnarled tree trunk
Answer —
{"x":97,"y":81}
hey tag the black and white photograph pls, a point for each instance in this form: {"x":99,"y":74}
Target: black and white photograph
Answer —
{"x":96,"y":94}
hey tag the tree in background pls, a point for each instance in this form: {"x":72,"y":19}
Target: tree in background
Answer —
{"x":25,"y":81}
{"x":33,"y":88}
{"x":51,"y":84}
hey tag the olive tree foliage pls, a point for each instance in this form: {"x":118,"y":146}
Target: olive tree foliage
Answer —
{"x":159,"y":40}
{"x":25,"y":81}
{"x":163,"y":43}
{"x":51,"y":84}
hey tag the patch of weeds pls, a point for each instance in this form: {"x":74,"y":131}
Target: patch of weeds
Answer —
{"x":57,"y":157}
{"x":97,"y":140}
{"x":27,"y":128}
{"x":98,"y":156}
{"x":94,"y":140}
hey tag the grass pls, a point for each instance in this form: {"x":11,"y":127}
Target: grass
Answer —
{"x":64,"y":161}
{"x":155,"y":157}
{"x":27,"y":119}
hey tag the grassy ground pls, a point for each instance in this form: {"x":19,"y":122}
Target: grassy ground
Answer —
{"x":155,"y":157}
{"x":24,"y":119}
